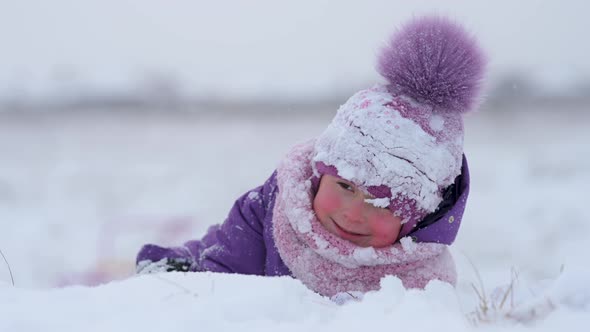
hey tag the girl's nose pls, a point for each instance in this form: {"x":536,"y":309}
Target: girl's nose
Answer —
{"x":355,"y":210}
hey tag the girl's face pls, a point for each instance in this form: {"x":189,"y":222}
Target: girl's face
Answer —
{"x":341,"y":208}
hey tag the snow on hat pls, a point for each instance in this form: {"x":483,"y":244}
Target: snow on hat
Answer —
{"x":402,"y":142}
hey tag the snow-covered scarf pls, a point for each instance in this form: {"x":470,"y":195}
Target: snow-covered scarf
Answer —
{"x":330,"y":265}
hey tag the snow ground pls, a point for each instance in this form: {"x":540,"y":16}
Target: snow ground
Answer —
{"x":80,"y":194}
{"x":223,"y":302}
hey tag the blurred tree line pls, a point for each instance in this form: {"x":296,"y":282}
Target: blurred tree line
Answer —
{"x":164,"y":92}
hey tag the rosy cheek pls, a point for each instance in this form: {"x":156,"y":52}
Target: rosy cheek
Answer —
{"x":386,"y":230}
{"x":330,"y":203}
{"x":327,"y":202}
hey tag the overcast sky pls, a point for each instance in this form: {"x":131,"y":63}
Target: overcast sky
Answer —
{"x":248,"y":48}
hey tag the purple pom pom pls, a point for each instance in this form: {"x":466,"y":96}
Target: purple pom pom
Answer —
{"x":434,"y":61}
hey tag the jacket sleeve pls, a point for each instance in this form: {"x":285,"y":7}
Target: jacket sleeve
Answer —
{"x":236,"y":246}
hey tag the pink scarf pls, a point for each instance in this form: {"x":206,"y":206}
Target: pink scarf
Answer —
{"x":330,"y":265}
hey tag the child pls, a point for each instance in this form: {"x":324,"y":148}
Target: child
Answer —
{"x":380,"y":192}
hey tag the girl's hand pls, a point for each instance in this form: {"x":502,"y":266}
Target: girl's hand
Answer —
{"x":164,"y":265}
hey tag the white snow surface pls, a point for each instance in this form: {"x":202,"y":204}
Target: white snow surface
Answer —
{"x":224,"y":302}
{"x":79,"y":195}
{"x":379,"y":202}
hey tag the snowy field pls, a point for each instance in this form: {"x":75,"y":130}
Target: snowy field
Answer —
{"x":80,"y":194}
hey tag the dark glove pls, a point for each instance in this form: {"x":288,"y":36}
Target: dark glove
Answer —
{"x":164,"y":265}
{"x":153,"y":259}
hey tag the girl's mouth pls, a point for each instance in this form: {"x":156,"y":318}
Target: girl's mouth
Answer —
{"x":344,"y":231}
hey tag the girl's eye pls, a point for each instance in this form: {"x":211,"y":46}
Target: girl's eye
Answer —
{"x":346,"y":186}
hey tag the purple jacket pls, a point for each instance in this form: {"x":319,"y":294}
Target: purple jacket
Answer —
{"x":244,"y":243}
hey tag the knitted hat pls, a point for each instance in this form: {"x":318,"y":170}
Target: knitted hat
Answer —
{"x":402,"y":142}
